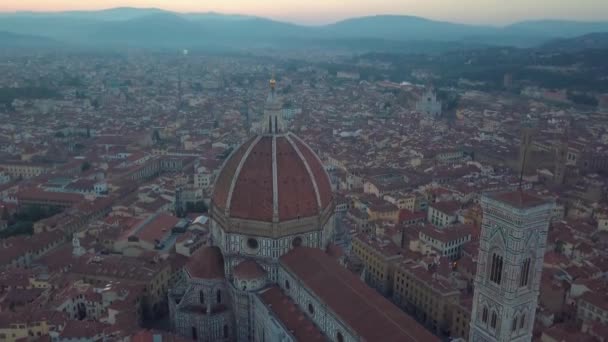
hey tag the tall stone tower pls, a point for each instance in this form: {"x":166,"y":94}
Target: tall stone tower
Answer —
{"x":525,"y":146}
{"x":561,"y":158}
{"x":511,"y":251}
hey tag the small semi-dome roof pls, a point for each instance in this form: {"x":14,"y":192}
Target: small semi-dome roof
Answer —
{"x":206,"y":263}
{"x":249,"y":269}
{"x":272,"y":178}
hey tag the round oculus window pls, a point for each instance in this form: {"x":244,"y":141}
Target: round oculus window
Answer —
{"x":252,"y":243}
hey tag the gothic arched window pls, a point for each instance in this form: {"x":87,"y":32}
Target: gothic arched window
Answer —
{"x":484,"y":315}
{"x":226,"y":331}
{"x":496,"y":268}
{"x":201,"y":297}
{"x":514,"y":324}
{"x":493,"y":320}
{"x":524,"y":273}
{"x":219,"y":296}
{"x":522,"y":321}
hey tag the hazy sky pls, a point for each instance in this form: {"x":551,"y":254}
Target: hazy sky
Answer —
{"x":324,"y":11}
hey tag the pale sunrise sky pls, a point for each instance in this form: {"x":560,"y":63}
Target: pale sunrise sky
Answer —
{"x":495,"y":12}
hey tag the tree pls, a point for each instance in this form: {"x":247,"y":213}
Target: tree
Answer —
{"x":5,"y":214}
{"x":85,"y":166}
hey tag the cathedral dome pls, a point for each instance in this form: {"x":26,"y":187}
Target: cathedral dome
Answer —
{"x":272,"y":178}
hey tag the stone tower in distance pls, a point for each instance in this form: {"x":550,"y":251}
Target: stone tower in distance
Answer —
{"x":511,"y":252}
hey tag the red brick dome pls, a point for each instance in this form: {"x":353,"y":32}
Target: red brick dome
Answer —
{"x":272,"y":178}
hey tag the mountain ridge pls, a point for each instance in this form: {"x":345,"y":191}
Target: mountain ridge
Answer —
{"x":159,"y":28}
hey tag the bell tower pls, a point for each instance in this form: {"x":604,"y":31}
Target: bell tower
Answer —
{"x":511,"y":252}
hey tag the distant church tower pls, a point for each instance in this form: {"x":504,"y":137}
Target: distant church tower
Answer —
{"x":77,"y":249}
{"x":561,"y":159}
{"x":511,"y":252}
{"x":525,"y":146}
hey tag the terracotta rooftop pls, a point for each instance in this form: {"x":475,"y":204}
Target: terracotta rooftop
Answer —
{"x":300,"y":326}
{"x":519,"y":199}
{"x":249,"y":188}
{"x":365,"y":311}
{"x":248,"y":269}
{"x":206,"y":263}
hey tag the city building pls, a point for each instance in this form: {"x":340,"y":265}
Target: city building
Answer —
{"x":443,"y":214}
{"x":509,"y":265}
{"x":425,"y":293}
{"x":446,"y":242}
{"x":378,"y":258}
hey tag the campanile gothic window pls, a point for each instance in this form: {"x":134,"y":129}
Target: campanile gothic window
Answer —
{"x":496,"y":268}
{"x":524,"y":273}
{"x":494,"y":320}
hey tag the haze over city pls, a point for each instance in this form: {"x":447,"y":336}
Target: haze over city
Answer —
{"x":282,"y":171}
{"x":492,"y":12}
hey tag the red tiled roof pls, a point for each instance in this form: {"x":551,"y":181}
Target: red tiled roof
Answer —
{"x":81,"y":329}
{"x":302,"y":185}
{"x":206,"y":263}
{"x":365,"y":311}
{"x":224,"y":179}
{"x":34,"y":194}
{"x":447,"y":207}
{"x":317,"y":170}
{"x":302,"y":328}
{"x":155,"y":228}
{"x":248,"y":269}
{"x":293,"y":182}
{"x":252,"y":196}
{"x":519,"y":199}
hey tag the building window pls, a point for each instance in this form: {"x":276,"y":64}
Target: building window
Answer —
{"x":297,"y":242}
{"x":522,"y":321}
{"x":484,"y":315}
{"x":525,"y":273}
{"x":514,"y":324}
{"x":201,"y":297}
{"x":194,"y":334}
{"x":493,"y":320}
{"x":339,"y":337}
{"x":311,"y":309}
{"x":219,"y":296}
{"x":287,"y":284}
{"x":226,"y":331}
{"x":496,"y":268}
{"x":252,"y":243}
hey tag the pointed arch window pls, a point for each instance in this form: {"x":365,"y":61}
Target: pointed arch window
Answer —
{"x":484,"y":315}
{"x":494,"y":320}
{"x":514,"y":324}
{"x":522,"y":321}
{"x":524,"y":272}
{"x":201,"y":297}
{"x":496,"y":268}
{"x":219,"y":296}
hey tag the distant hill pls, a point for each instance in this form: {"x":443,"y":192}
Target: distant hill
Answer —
{"x":404,"y":28}
{"x":150,"y":27}
{"x":557,"y":28}
{"x":587,"y":41}
{"x":9,"y":39}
